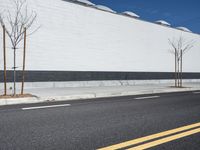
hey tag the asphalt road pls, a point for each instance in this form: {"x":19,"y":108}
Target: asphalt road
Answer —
{"x":92,"y":124}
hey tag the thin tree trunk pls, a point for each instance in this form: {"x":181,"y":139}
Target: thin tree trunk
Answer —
{"x":24,"y":58}
{"x":14,"y":71}
{"x":181,"y":78}
{"x":4,"y":56}
{"x":178,"y":73}
{"x":175,"y":68}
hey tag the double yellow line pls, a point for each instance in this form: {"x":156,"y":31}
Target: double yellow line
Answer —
{"x":164,"y":137}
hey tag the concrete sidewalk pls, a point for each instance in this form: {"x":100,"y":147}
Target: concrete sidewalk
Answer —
{"x":62,"y":94}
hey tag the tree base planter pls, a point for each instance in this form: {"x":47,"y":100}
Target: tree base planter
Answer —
{"x":16,"y":96}
{"x":181,"y":87}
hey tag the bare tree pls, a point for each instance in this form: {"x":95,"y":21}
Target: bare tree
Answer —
{"x":179,"y":47}
{"x":16,"y":21}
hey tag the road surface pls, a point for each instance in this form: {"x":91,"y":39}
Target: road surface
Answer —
{"x":157,"y":122}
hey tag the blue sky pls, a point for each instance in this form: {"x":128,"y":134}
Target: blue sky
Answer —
{"x":177,"y":12}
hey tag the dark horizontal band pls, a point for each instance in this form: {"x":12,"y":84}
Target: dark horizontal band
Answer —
{"x":46,"y":76}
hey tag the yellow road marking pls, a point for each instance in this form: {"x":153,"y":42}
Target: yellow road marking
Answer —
{"x":165,"y":140}
{"x":150,"y":137}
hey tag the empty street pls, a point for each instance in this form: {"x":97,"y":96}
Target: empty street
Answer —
{"x":157,"y":122}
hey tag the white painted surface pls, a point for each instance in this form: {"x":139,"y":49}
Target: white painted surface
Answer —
{"x":196,"y":92}
{"x":131,"y":14}
{"x":148,"y":97}
{"x":78,"y":38}
{"x":184,"y":29}
{"x":105,"y":8}
{"x":43,"y":107}
{"x":86,"y":2}
{"x":163,"y":22}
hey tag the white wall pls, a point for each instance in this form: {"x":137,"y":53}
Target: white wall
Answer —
{"x":78,"y":38}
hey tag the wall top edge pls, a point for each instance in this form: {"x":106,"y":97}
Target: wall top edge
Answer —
{"x":119,"y":14}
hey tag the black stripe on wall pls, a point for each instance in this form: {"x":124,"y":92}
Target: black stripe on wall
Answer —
{"x":45,"y":76}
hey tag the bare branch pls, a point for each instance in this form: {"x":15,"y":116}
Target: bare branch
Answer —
{"x":172,"y":43}
{"x":34,"y":31}
{"x":18,"y":19}
{"x":179,"y":45}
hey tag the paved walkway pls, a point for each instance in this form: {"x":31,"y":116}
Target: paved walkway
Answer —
{"x":61,"y":94}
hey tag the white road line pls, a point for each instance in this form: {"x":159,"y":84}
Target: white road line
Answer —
{"x":149,"y":97}
{"x":196,"y":92}
{"x":43,"y":107}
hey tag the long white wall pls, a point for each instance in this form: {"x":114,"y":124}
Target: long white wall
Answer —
{"x":78,"y":38}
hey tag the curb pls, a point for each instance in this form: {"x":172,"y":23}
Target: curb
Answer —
{"x":32,"y":100}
